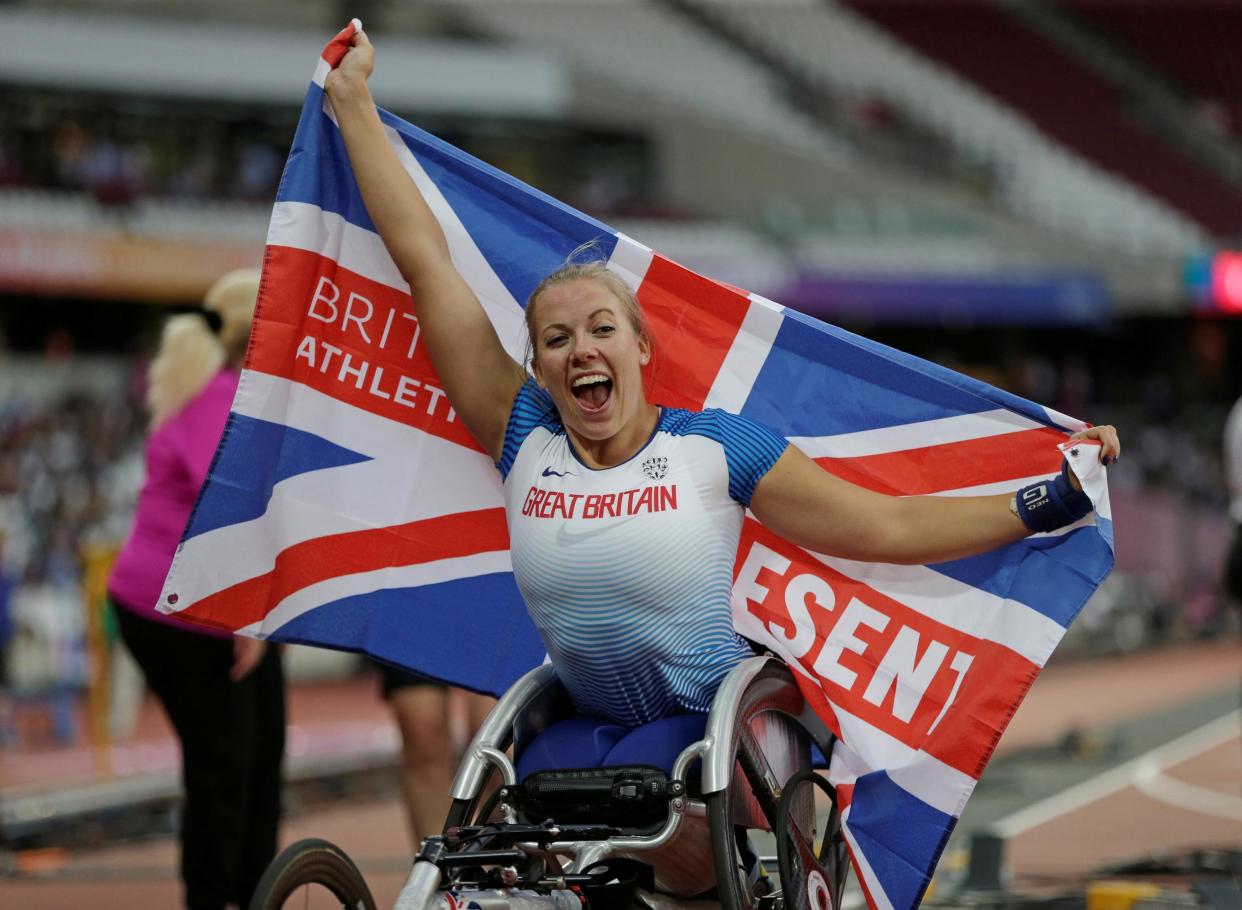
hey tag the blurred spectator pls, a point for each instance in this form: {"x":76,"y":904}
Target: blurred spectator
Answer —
{"x":71,"y":149}
{"x":423,"y":710}
{"x":1233,"y":477}
{"x":6,"y":637}
{"x":197,"y":177}
{"x":115,"y":172}
{"x":223,"y":695}
{"x":258,"y":172}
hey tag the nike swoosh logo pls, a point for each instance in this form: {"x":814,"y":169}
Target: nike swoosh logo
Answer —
{"x":548,"y":472}
{"x":567,"y":538}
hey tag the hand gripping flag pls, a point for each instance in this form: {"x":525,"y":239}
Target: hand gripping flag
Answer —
{"x":347,"y":505}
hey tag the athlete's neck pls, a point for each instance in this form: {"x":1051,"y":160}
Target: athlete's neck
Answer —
{"x":622,"y":446}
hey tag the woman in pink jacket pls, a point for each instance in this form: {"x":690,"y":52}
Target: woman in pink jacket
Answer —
{"x":223,"y":695}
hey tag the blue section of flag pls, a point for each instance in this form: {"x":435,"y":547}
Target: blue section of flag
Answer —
{"x":900,"y":835}
{"x":422,"y":627}
{"x":523,"y":234}
{"x":253,"y":457}
{"x":318,"y":171}
{"x":820,"y":380}
{"x":1073,"y":564}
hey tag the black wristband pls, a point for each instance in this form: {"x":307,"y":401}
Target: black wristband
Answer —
{"x":1052,"y":504}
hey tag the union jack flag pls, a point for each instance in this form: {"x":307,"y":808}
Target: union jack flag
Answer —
{"x":347,"y":506}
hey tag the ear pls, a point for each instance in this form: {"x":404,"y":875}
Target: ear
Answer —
{"x":644,"y":351}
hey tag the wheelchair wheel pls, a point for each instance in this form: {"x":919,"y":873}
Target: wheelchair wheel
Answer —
{"x":750,"y":803}
{"x":312,"y":874}
{"x":810,"y":847}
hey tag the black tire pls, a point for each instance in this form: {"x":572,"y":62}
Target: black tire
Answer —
{"x":749,"y":803}
{"x":310,"y":866}
{"x":810,"y":848}
{"x":732,"y":882}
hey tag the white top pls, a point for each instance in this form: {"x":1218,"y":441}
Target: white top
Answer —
{"x":627,"y":571}
{"x":1233,"y":460}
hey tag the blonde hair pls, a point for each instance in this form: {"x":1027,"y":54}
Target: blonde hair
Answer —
{"x":190,"y":353}
{"x":593,"y":270}
{"x":232,"y":298}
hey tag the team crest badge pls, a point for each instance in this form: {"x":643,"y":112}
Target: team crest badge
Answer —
{"x":655,"y":468}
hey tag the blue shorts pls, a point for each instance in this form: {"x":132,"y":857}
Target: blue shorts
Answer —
{"x":592,"y":742}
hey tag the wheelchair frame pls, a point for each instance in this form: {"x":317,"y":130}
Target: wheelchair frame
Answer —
{"x":756,"y":740}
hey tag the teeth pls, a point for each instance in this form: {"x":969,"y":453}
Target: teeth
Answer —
{"x":589,"y":379}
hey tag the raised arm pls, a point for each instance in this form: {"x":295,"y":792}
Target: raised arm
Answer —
{"x":810,"y":507}
{"x":479,"y":376}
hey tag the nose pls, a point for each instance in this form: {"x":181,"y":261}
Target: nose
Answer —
{"x":584,"y":350}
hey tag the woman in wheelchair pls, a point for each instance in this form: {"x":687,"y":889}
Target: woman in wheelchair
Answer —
{"x":625,"y":516}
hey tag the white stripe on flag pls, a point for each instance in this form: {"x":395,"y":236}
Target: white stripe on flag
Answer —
{"x":322,"y":68}
{"x":630,"y":260}
{"x":314,"y":504}
{"x":958,"y":605}
{"x":388,"y":578}
{"x":1093,"y":476}
{"x":920,"y":435}
{"x":923,"y":776}
{"x":991,"y":489}
{"x":1071,"y":424}
{"x":504,"y":311}
{"x":302,"y":226}
{"x":751,"y":346}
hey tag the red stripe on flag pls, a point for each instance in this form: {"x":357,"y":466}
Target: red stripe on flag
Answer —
{"x":880,"y":660}
{"x":336,"y":49}
{"x":845,"y":795}
{"x":351,"y":338}
{"x":313,"y":561}
{"x":693,"y":321}
{"x":953,"y":465}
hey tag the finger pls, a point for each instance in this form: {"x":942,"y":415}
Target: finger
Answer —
{"x":1110,"y":445}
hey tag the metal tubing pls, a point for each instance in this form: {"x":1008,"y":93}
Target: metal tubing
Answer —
{"x":496,"y":728}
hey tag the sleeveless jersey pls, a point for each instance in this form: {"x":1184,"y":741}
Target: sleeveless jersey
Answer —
{"x":627,"y":571}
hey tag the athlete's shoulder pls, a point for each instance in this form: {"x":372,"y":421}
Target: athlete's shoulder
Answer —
{"x":750,"y":447}
{"x":715,"y":423}
{"x":532,"y":409}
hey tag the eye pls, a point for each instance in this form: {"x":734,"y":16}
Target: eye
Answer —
{"x":605,"y":329}
{"x":555,"y":341}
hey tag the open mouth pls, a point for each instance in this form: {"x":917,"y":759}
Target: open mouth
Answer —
{"x":592,"y":391}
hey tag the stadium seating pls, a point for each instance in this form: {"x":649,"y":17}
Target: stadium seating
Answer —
{"x":639,"y":44}
{"x":1194,"y":45}
{"x":1039,"y":179}
{"x":986,"y":45}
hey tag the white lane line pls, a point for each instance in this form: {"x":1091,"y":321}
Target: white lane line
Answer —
{"x":1130,"y":773}
{"x":1178,"y":793}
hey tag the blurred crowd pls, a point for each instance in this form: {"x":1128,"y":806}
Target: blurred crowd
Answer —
{"x":70,"y":466}
{"x":121,"y":154}
{"x":117,"y":159}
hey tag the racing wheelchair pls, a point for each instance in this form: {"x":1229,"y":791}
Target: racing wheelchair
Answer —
{"x":620,"y":838}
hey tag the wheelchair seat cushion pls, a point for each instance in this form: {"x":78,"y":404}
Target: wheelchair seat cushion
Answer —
{"x":591,"y":742}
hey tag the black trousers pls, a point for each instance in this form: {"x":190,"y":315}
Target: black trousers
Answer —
{"x":232,"y":743}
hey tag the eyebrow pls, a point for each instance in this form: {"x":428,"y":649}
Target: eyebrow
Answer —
{"x":591,"y":315}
